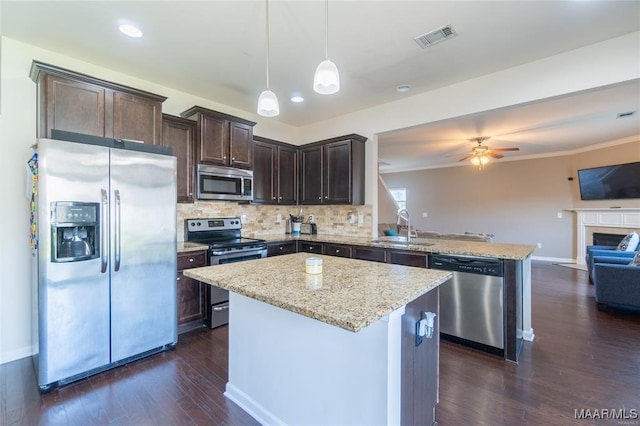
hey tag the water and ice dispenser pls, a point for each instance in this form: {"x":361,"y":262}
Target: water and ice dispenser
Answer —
{"x":75,"y":233}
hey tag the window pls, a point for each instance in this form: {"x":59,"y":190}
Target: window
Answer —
{"x":400,"y":195}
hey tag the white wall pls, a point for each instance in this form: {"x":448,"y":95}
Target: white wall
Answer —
{"x":601,"y":64}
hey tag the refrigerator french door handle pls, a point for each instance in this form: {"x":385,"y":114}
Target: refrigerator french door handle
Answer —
{"x":103,"y":230}
{"x":118,"y":235}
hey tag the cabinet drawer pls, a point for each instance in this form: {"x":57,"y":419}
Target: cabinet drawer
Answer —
{"x":276,"y":249}
{"x":192,"y":260}
{"x":409,"y":258}
{"x":368,"y":253}
{"x":310,"y":247}
{"x":337,"y":250}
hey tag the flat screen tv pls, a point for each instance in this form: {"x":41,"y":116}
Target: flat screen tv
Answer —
{"x":616,"y":182}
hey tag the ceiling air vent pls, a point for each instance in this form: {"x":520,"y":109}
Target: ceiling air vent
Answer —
{"x":626,"y":114}
{"x":436,"y":36}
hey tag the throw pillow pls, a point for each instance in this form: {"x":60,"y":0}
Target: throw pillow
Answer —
{"x":629,"y":242}
{"x":390,"y":232}
{"x":636,"y":260}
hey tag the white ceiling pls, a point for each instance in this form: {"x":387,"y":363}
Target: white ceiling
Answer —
{"x":217,"y":50}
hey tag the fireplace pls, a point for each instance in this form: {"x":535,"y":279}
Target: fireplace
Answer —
{"x":603,"y":239}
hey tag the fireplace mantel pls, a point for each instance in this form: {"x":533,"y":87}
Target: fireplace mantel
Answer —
{"x":622,"y":217}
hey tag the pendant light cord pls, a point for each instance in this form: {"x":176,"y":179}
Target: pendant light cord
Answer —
{"x":268,"y":44}
{"x":326,"y":29}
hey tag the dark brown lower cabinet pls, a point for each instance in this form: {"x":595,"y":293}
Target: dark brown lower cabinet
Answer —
{"x":408,"y":258}
{"x":192,"y":294}
{"x":369,"y":253}
{"x":304,"y":246}
{"x":420,"y":362}
{"x":281,"y":247}
{"x":340,"y":250}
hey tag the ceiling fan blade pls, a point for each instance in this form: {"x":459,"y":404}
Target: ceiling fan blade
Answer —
{"x":494,"y":155}
{"x":505,"y":149}
{"x":467,"y":157}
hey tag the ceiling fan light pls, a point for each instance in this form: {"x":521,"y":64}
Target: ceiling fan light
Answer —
{"x":484,"y":159}
{"x":268,"y":104}
{"x":475,"y":161}
{"x":326,"y":80}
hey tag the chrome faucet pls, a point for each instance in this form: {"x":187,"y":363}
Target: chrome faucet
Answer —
{"x":403,"y":215}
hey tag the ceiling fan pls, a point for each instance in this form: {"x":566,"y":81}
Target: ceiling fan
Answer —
{"x":480,"y":154}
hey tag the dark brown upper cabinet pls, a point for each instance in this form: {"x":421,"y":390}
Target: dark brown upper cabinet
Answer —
{"x":79,"y":103}
{"x":275,"y":172}
{"x":222,"y":139}
{"x":332,"y":171}
{"x":180,"y":134}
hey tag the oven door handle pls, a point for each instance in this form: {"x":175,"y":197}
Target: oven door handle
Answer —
{"x":216,"y":257}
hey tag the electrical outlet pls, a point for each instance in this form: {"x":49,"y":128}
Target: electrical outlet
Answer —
{"x":539,"y":245}
{"x":278,"y":218}
{"x":559,"y":215}
{"x":243,"y":218}
{"x":424,"y":214}
{"x":360,"y":219}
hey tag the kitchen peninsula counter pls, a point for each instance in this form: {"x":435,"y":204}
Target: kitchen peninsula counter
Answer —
{"x":340,"y":347}
{"x":429,"y":245}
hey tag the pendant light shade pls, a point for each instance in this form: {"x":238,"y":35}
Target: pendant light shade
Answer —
{"x":268,"y":104}
{"x":268,"y":101}
{"x":326,"y":80}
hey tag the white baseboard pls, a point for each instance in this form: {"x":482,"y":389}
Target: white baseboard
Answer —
{"x":553,"y":259}
{"x":528,"y":335}
{"x":248,"y":404}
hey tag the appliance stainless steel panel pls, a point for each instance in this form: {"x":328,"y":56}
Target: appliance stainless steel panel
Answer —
{"x":143,"y":249}
{"x":471,"y":303}
{"x":70,"y":292}
{"x":119,"y":303}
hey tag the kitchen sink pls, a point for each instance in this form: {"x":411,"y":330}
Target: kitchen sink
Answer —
{"x":401,"y":241}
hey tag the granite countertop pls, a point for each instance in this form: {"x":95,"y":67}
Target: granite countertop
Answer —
{"x":186,"y":246}
{"x":444,"y":246}
{"x":350,"y":293}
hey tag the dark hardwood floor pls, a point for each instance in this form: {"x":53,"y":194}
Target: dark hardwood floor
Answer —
{"x":581,"y":359}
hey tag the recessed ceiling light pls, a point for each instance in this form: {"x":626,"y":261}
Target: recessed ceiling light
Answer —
{"x":403,"y":88}
{"x":130,"y":30}
{"x":297,"y":99}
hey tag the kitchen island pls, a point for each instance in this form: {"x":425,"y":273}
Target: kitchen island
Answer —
{"x":333,"y":348}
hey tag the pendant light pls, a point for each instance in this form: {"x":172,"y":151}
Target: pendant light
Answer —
{"x":326,"y":80}
{"x":268,"y":101}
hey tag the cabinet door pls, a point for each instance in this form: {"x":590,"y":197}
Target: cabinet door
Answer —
{"x":276,"y":249}
{"x":213,"y":141}
{"x":307,"y":247}
{"x":408,"y":258}
{"x":339,"y":250}
{"x":190,"y":300}
{"x":370,"y":253}
{"x":241,"y":145}
{"x":136,"y":118}
{"x":72,"y":106}
{"x":311,"y":175}
{"x":337,"y":173}
{"x":179,"y":134}
{"x":264,"y":173}
{"x":287,"y":175}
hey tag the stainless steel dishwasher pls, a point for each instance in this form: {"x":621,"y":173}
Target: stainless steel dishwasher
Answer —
{"x":471,"y":303}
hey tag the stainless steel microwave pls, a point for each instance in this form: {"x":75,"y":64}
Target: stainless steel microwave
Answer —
{"x":223,"y":183}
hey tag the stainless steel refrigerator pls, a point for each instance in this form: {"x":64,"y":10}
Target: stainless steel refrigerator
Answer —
{"x":104,"y":255}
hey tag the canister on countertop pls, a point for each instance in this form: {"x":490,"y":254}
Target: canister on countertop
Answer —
{"x":313,"y":265}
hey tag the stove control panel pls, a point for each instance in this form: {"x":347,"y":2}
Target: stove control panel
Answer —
{"x":213,"y":224}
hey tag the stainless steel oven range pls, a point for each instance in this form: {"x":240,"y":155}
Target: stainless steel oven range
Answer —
{"x":226,"y":245}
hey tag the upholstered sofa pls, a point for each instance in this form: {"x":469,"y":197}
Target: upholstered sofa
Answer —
{"x":617,"y":284}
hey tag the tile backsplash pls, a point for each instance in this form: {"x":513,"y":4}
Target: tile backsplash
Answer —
{"x":261,"y":219}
